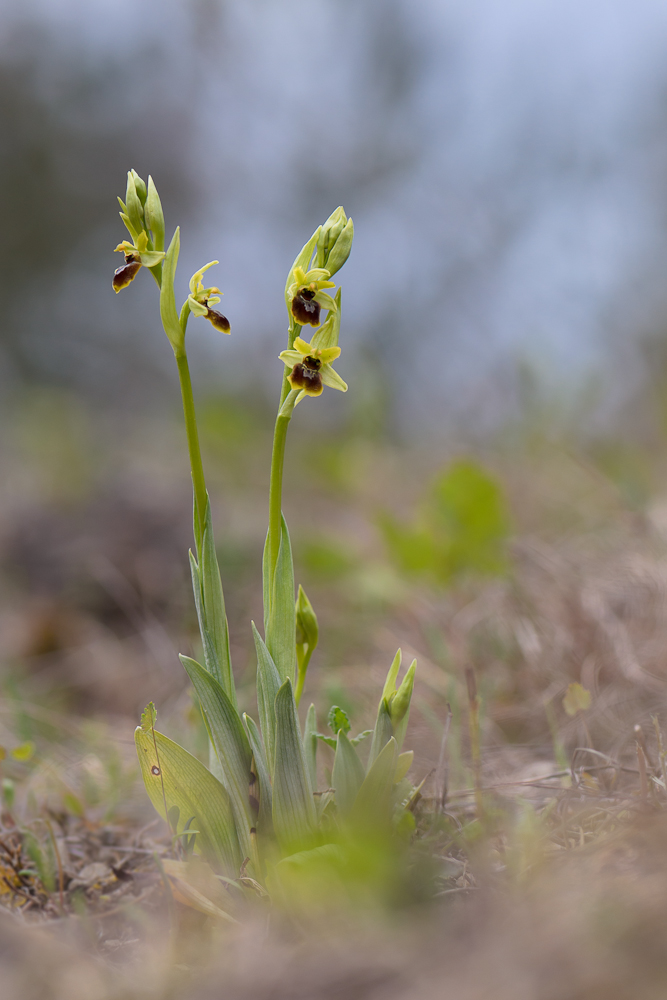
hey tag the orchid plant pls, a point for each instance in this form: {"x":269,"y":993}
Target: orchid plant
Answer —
{"x":262,"y":809}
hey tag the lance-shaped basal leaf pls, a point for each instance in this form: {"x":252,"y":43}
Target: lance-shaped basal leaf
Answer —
{"x":173,"y":777}
{"x":293,"y":805}
{"x":215,"y":618}
{"x":265,"y":821}
{"x":372,"y":806}
{"x":228,"y":736}
{"x":281,"y":634}
{"x":268,"y":685}
{"x":310,"y":746}
{"x":348,"y":773}
{"x":170,"y":320}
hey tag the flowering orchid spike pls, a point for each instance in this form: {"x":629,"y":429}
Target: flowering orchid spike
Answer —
{"x":311,"y":368}
{"x":201,"y":299}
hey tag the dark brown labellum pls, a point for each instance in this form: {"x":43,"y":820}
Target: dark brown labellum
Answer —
{"x":125,"y":274}
{"x":306,"y":378}
{"x":304,"y":309}
{"x":219,"y":321}
{"x":313,"y":363}
{"x":155,"y":769}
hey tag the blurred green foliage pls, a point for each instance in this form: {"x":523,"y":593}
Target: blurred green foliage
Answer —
{"x":461,"y":528}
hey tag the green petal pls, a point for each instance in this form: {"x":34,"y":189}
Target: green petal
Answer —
{"x":303,"y":347}
{"x":332,"y":378}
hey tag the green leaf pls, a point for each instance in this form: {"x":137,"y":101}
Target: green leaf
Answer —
{"x":174,"y":778}
{"x":403,"y":765}
{"x":148,"y":718}
{"x":382,"y":732}
{"x":347,"y":775}
{"x":310,"y":745}
{"x":262,"y":772}
{"x":372,"y":805}
{"x":329,"y":740}
{"x":43,"y":859}
{"x":281,"y":634}
{"x":266,"y":583}
{"x":293,"y":805}
{"x":361,"y":736}
{"x":170,"y":321}
{"x":231,"y":744}
{"x":214,"y":610}
{"x":337,"y":720}
{"x":268,"y":685}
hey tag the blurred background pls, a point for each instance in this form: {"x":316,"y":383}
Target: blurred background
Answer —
{"x":492,"y":487}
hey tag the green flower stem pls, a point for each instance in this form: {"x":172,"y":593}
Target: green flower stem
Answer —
{"x":198,"y":481}
{"x":276,"y":483}
{"x":293,"y":333}
{"x":301,"y":676}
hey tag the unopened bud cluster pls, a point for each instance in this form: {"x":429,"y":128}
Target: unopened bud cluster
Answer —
{"x":142,"y":214}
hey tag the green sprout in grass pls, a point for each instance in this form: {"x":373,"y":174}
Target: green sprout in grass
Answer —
{"x":260,"y":815}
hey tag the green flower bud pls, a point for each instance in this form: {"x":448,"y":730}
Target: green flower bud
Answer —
{"x":154,"y":215}
{"x":139,"y":187}
{"x":399,"y":705}
{"x":307,"y":629}
{"x":134,"y":207}
{"x":329,"y":233}
{"x":340,"y":251}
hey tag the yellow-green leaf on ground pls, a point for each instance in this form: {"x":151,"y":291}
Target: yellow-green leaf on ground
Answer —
{"x":179,"y":785}
{"x":577,"y":699}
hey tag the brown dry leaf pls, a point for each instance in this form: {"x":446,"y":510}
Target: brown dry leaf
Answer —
{"x":194,"y":884}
